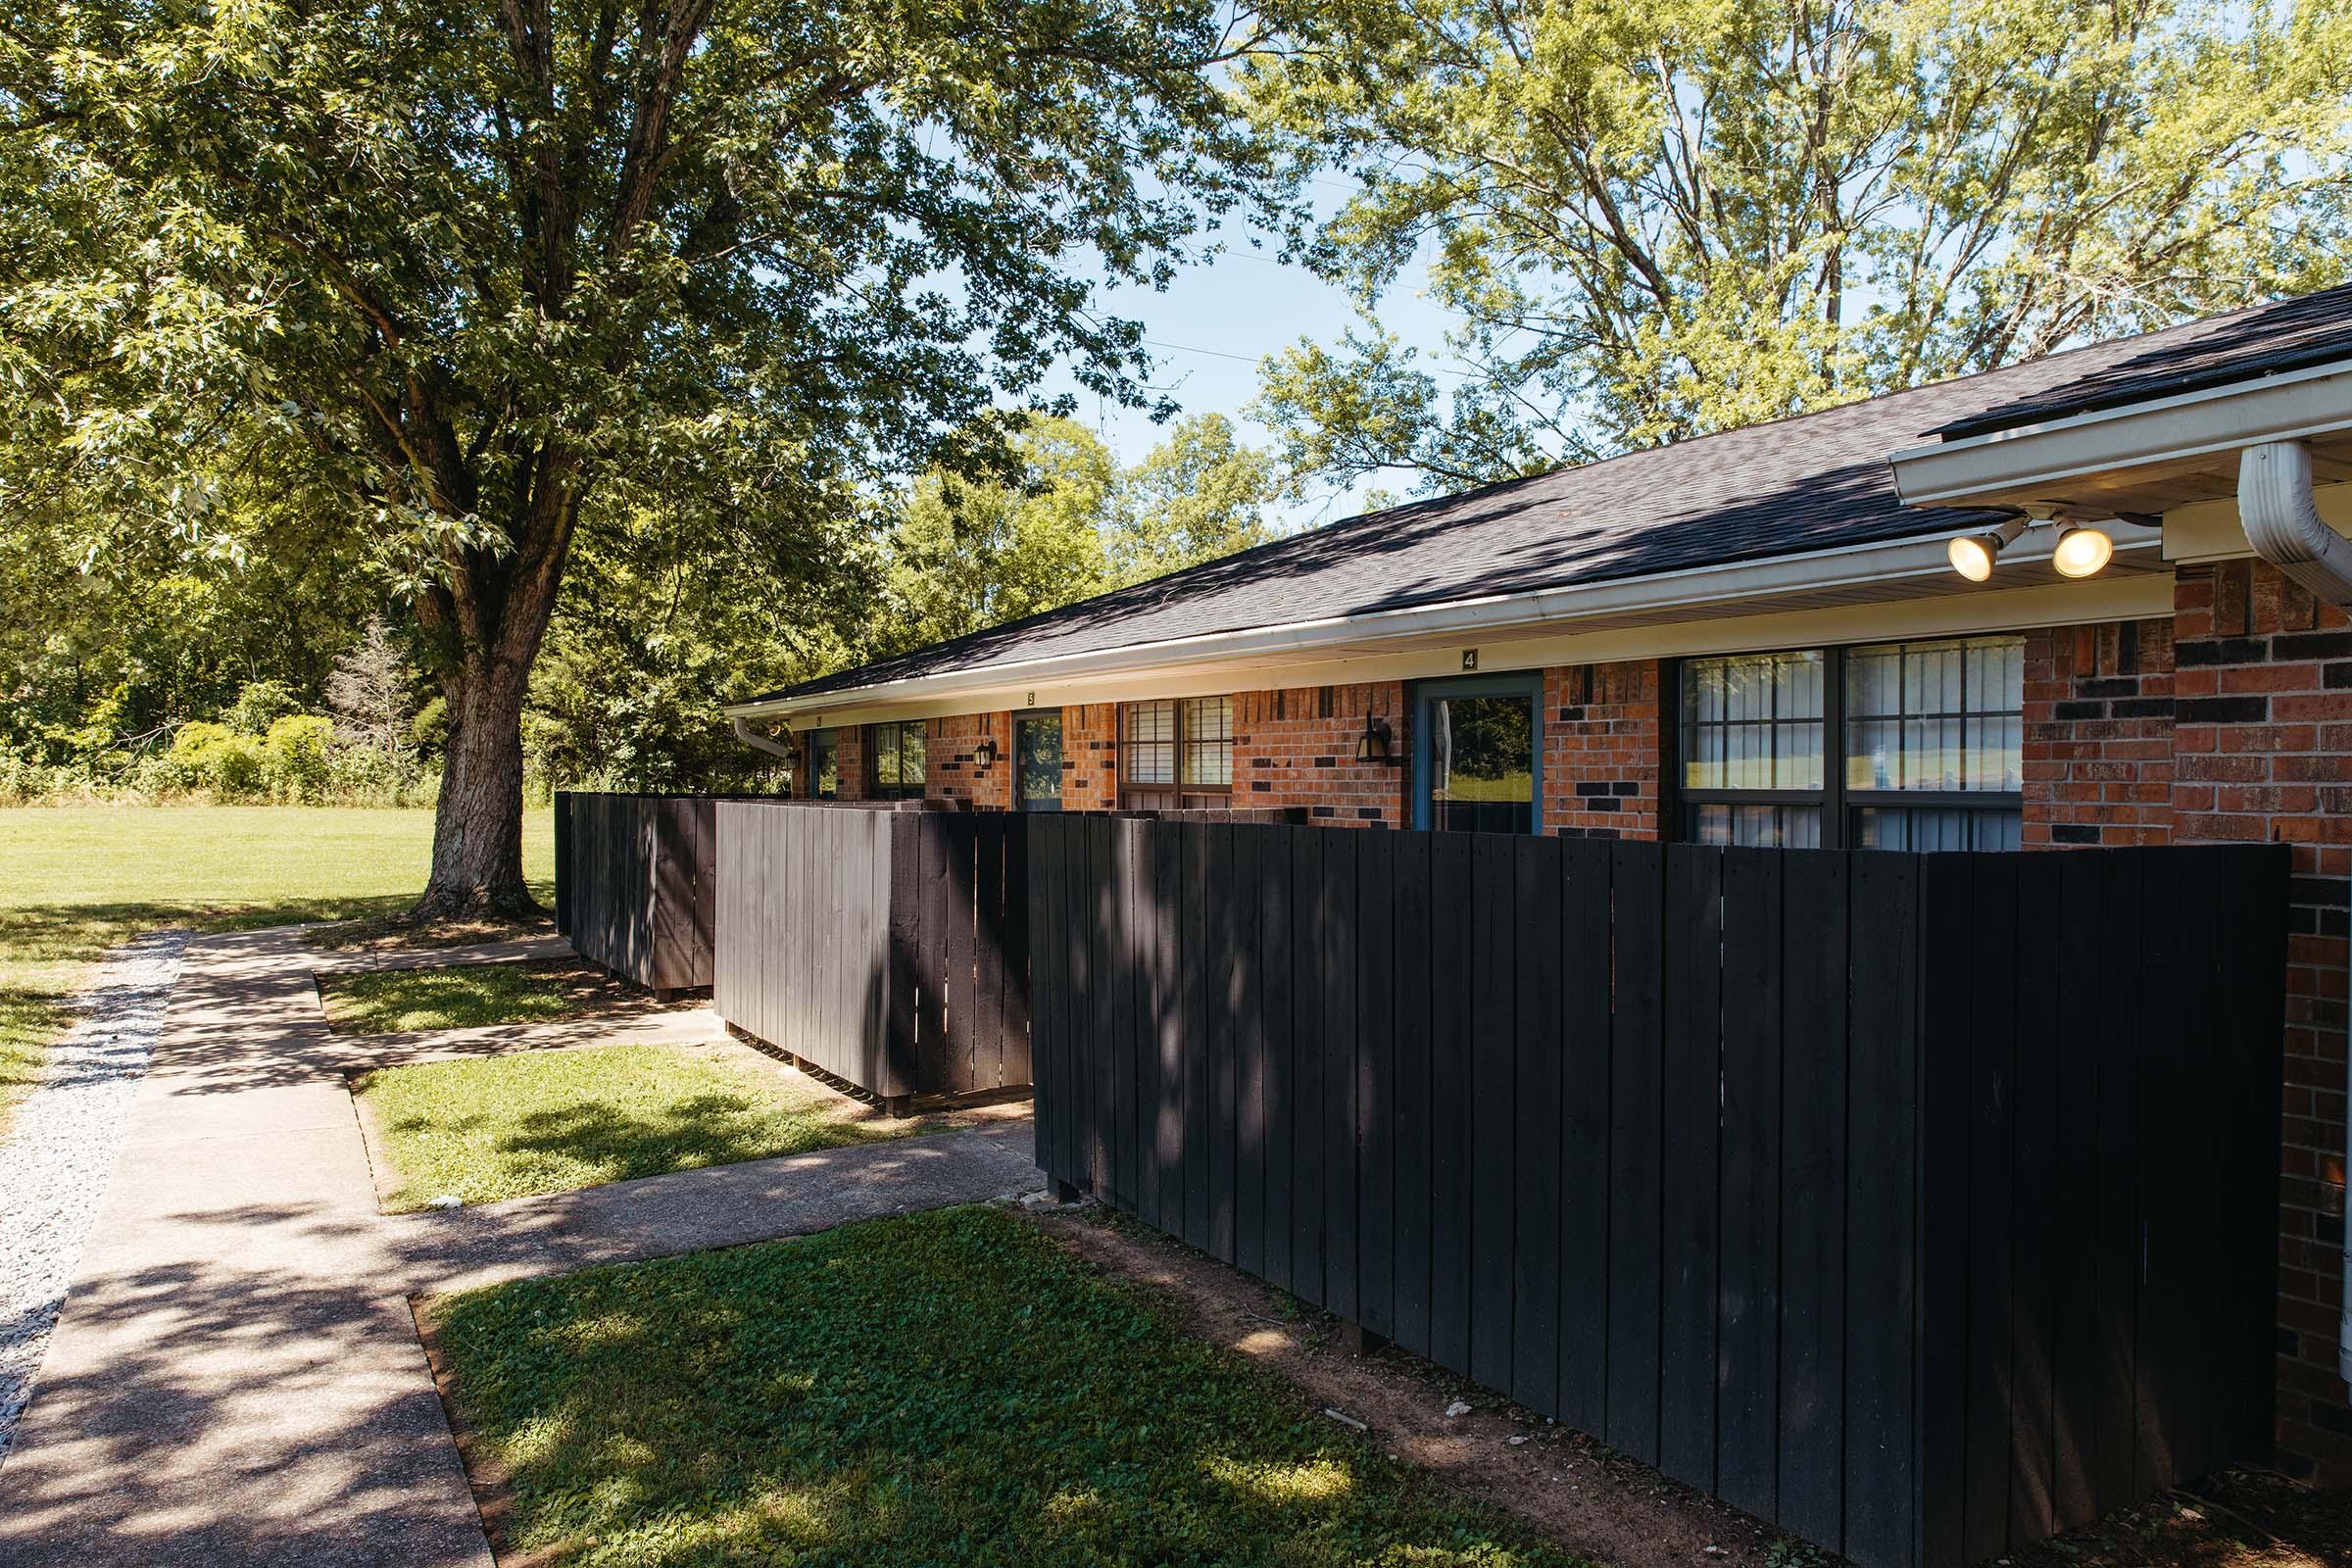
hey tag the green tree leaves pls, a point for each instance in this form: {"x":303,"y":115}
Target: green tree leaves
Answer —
{"x":1666,"y":217}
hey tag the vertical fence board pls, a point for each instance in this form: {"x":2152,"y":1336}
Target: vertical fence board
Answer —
{"x":1747,"y":1330}
{"x":1304,"y":1089}
{"x":1256,"y":858}
{"x":1688,"y":1191}
{"x":1415,"y":1125}
{"x":1233,"y":873}
{"x":2115,"y":1179}
{"x":1993,"y":1099}
{"x":2033,"y":1201}
{"x":2161,"y":1373}
{"x":1948,"y":922}
{"x":2077,"y":1352}
{"x":1164,"y":1029}
{"x":1343,"y":1056}
{"x":1881,"y":1287}
{"x":1197,"y":1039}
{"x":1538,"y":1041}
{"x":1586,"y":967}
{"x":1491,"y":1134}
{"x":1815,"y":931}
{"x":1376,"y":1104}
{"x":1449,"y":1013}
{"x":1636,"y":1139}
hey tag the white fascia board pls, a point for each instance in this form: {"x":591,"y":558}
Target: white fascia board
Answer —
{"x":1703,"y":609}
{"x":2038,"y":460}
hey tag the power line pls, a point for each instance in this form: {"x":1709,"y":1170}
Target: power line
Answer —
{"x":1250,"y":359}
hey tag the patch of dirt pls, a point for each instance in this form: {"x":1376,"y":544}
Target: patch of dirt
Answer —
{"x":1578,"y":1491}
{"x":386,"y":932}
{"x":2241,"y":1518}
{"x":1618,"y":1510}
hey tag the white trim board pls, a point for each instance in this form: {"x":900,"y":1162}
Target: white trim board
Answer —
{"x":2111,"y":596}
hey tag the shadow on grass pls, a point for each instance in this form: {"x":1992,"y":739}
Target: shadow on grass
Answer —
{"x":461,"y":996}
{"x":943,"y":1386}
{"x":518,"y":1126}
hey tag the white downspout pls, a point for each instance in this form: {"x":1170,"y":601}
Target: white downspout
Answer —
{"x":760,"y":743}
{"x":2285,"y":528}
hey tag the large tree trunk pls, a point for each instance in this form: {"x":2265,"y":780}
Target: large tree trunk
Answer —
{"x":477,"y":827}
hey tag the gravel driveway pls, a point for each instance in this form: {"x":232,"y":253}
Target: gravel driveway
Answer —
{"x":54,"y":1164}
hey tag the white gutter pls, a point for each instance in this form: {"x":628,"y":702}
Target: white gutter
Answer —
{"x":2038,"y":462}
{"x":1716,"y":590}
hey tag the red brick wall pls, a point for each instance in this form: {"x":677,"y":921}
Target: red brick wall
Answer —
{"x":2265,"y":745}
{"x":1296,"y":746}
{"x":1090,"y":757}
{"x":850,"y":756}
{"x":2098,"y":735}
{"x":952,"y":771}
{"x":1603,"y":745}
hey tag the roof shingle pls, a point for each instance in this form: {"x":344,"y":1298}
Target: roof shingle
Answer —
{"x":1811,"y":482}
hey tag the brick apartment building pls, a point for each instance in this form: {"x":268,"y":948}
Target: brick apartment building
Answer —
{"x":1760,"y":637}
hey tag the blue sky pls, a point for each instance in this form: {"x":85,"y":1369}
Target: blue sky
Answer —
{"x":1212,"y":325}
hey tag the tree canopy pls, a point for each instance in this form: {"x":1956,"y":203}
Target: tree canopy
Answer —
{"x":481,"y":280}
{"x":1660,"y":218}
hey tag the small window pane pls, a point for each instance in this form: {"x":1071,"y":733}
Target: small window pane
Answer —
{"x":1769,"y":827}
{"x":1927,"y":828}
{"x":1207,"y":741}
{"x":1945,"y":715}
{"x":1753,"y":723}
{"x":1152,"y":743}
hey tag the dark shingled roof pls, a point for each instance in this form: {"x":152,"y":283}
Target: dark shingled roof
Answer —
{"x":2243,"y":346}
{"x":1815,"y":481}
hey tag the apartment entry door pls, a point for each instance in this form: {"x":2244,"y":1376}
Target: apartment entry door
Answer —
{"x":1036,"y":763}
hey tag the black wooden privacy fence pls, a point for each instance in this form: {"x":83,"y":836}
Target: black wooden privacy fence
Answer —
{"x":1923,"y":1204}
{"x":634,"y":888}
{"x":887,"y":947}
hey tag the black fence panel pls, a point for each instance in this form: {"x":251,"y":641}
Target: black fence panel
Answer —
{"x":1921,"y":1204}
{"x":634,"y":884}
{"x":889,"y":948}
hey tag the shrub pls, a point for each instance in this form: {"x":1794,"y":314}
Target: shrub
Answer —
{"x":298,"y":752}
{"x":216,"y":759}
{"x":261,"y":704}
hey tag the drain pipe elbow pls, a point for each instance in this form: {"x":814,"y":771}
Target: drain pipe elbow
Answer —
{"x":760,"y":743}
{"x":2283,"y":524}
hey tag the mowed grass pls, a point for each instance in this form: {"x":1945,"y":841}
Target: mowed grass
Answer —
{"x":943,"y":1388}
{"x":76,"y":880}
{"x":462,"y":997}
{"x":550,"y":1121}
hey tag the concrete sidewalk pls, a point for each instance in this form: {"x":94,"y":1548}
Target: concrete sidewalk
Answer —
{"x":236,"y":1379}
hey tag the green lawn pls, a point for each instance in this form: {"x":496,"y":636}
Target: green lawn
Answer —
{"x":461,"y":996}
{"x":550,"y":1121}
{"x":944,"y":1388}
{"x":75,"y":880}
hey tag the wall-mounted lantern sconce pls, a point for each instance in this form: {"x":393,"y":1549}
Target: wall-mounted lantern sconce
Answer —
{"x":1372,"y":746}
{"x":985,"y":754}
